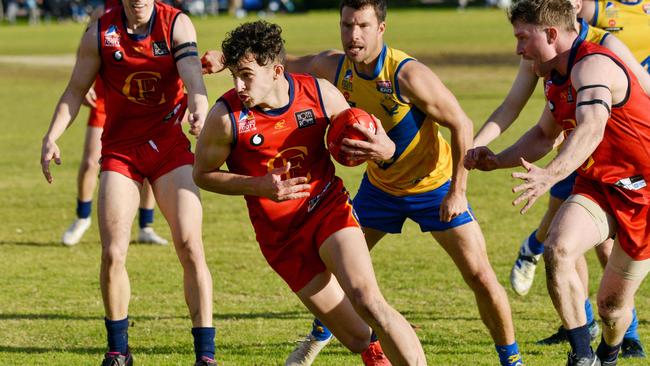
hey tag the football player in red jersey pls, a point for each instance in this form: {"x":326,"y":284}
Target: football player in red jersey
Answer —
{"x":601,"y":107}
{"x":270,"y":131}
{"x":145,"y":53}
{"x":89,"y":167}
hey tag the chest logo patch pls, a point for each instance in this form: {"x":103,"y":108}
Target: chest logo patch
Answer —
{"x":305,"y":118}
{"x":257,"y":139}
{"x":112,"y":37}
{"x":160,"y":48}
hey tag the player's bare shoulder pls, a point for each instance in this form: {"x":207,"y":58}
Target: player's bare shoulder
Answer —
{"x":218,"y":125}
{"x":326,"y":63}
{"x":333,"y":100}
{"x":414,"y":79}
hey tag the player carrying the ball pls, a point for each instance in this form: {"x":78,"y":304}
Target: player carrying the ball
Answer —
{"x":424,"y":179}
{"x":270,"y":130}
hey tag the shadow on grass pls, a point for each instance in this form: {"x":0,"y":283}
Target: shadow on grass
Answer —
{"x":135,"y":318}
{"x":29,"y":243}
{"x":241,"y":349}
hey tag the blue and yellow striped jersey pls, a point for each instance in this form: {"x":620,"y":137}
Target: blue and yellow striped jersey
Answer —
{"x":422,"y":160}
{"x":629,"y":21}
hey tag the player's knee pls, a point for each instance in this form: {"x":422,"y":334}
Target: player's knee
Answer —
{"x":610,"y":307}
{"x":483,"y":278}
{"x":113,"y":257}
{"x":556,"y":254}
{"x":370,"y":305}
{"x":190,"y":254}
{"x":90,"y":164}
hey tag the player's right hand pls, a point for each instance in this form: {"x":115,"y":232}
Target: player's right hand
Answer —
{"x":212,"y":62}
{"x":276,"y":189}
{"x":481,"y":158}
{"x":49,"y":151}
{"x":196,"y":122}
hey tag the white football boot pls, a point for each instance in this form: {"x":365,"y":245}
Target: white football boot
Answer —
{"x":75,"y":231}
{"x":148,"y":236}
{"x":523,"y":271}
{"x":306,"y":351}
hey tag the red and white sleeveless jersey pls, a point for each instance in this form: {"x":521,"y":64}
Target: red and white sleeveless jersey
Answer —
{"x":265,"y":140}
{"x":144,"y":93}
{"x":623,"y":156}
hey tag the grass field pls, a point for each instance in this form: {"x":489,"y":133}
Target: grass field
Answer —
{"x":50,"y":304}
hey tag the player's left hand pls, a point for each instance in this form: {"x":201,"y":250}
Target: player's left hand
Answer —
{"x":454,"y":204}
{"x":378,"y":147}
{"x":536,"y":182}
{"x":196,"y":123}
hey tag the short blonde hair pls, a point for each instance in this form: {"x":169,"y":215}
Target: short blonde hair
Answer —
{"x":555,"y":13}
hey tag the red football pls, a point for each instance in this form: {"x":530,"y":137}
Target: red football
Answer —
{"x":341,"y":128}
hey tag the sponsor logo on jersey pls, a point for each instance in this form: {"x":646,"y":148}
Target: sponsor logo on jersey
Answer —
{"x":160,"y":48}
{"x":118,"y":55}
{"x":314,"y":201}
{"x":346,"y":83}
{"x":257,"y":139}
{"x":172,"y":113}
{"x":246,"y":122}
{"x":569,"y":96}
{"x":139,"y":49}
{"x":614,"y":29}
{"x":632,"y":183}
{"x":611,"y":10}
{"x":385,"y":86}
{"x":112,"y":37}
{"x":280,"y":126}
{"x":305,"y":118}
{"x":646,"y":8}
{"x":389,"y":105}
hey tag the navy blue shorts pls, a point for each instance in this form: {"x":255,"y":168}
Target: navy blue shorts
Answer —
{"x":562,"y":189}
{"x":381,"y":211}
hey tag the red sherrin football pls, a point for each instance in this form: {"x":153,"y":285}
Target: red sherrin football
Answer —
{"x":341,"y":128}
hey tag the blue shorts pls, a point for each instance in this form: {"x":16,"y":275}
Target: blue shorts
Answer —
{"x":562,"y":189}
{"x":381,"y":211}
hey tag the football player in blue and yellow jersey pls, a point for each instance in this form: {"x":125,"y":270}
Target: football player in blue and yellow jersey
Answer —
{"x":425,"y":179}
{"x":629,"y":21}
{"x":631,"y":30}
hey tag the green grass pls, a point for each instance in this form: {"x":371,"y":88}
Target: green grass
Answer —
{"x":50,"y":305}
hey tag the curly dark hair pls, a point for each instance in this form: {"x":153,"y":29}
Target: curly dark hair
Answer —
{"x":261,"y":39}
{"x":378,"y":5}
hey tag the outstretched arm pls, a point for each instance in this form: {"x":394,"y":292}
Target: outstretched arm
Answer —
{"x":506,"y":113}
{"x":83,"y":74}
{"x":532,"y":146}
{"x":599,"y":84}
{"x":322,"y":65}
